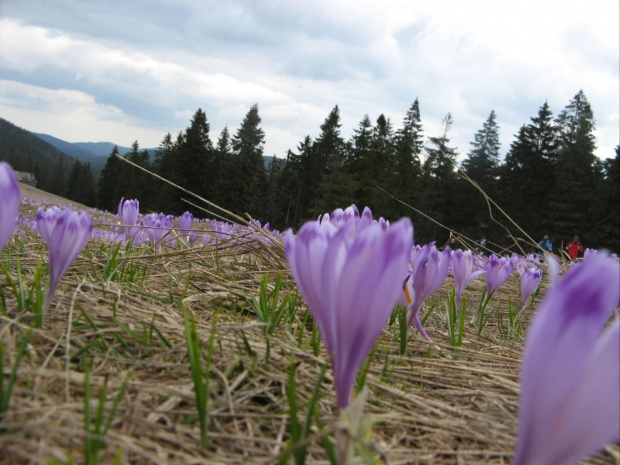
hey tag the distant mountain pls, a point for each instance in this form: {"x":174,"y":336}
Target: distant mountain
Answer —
{"x":95,"y":153}
{"x":66,"y":147}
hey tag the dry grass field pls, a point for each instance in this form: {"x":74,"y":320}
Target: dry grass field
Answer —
{"x":108,"y":378}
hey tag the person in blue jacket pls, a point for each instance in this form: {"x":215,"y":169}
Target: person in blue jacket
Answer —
{"x":546,"y":244}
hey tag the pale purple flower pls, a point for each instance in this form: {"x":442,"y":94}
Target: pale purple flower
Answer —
{"x":428,"y":272}
{"x":128,"y":211}
{"x":350,"y":277}
{"x":570,"y":380}
{"x":186,"y":222}
{"x":9,"y":203}
{"x":156,"y":226}
{"x":530,"y":280}
{"x":497,"y":272}
{"x":66,"y":233}
{"x":46,"y":221}
{"x":463,"y":271}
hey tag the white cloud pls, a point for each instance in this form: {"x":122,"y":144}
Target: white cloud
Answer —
{"x":70,"y":115}
{"x":158,"y":62}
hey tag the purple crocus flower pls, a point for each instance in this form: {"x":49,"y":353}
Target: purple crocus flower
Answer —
{"x":186,"y":223}
{"x":350,"y":277}
{"x":156,"y":225}
{"x":463,"y":271}
{"x":497,"y":273}
{"x":429,"y":269}
{"x":530,"y":280}
{"x":570,"y":380}
{"x":9,"y":203}
{"x":66,"y":233}
{"x":128,"y":211}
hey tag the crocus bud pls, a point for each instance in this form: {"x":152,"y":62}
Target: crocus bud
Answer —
{"x":497,"y":272}
{"x":463,"y":271}
{"x":128,"y":211}
{"x":428,"y":272}
{"x":66,"y":233}
{"x":530,"y":280}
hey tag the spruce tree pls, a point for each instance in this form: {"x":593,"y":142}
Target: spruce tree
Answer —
{"x":384,"y":166}
{"x":80,"y":185}
{"x":527,"y":176}
{"x":607,"y":213}
{"x":438,"y":186}
{"x":223,"y":192}
{"x":108,"y":183}
{"x":249,"y":170}
{"x":162,"y":165}
{"x":133,"y":183}
{"x":574,"y":196}
{"x":191,"y":164}
{"x":409,"y":146}
{"x":329,"y":154}
{"x":359,"y":163}
{"x":302,"y":176}
{"x":273,"y":203}
{"x":481,"y":166}
{"x":483,"y":158}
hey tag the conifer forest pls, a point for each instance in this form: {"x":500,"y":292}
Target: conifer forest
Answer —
{"x":548,"y":182}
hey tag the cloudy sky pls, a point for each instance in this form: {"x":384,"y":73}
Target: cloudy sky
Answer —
{"x":121,"y":70}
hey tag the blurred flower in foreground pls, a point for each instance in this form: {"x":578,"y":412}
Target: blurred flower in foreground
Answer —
{"x":570,"y":380}
{"x":429,"y":268}
{"x":66,"y":233}
{"x":350,"y":277}
{"x":530,"y":280}
{"x":128,"y":211}
{"x":9,"y":203}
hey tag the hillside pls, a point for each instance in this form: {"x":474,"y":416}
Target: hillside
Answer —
{"x":26,"y":152}
{"x":55,"y":171}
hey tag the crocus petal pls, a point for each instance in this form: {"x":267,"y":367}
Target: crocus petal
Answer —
{"x":128,"y":212}
{"x":497,"y":272}
{"x":530,"y":280}
{"x":68,"y":239}
{"x":462,"y":271}
{"x":570,"y":383}
{"x":429,"y":270}
{"x":10,"y":198}
{"x":350,"y":278}
{"x":46,"y":221}
{"x":186,"y":222}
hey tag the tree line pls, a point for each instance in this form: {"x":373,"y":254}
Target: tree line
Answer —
{"x":549,"y":182}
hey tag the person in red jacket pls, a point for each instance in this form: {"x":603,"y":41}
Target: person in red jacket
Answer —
{"x":574,"y":248}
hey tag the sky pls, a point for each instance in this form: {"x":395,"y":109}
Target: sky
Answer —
{"x":119,"y":71}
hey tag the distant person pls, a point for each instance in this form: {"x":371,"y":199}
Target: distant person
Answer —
{"x":574,"y":248}
{"x":546,"y":244}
